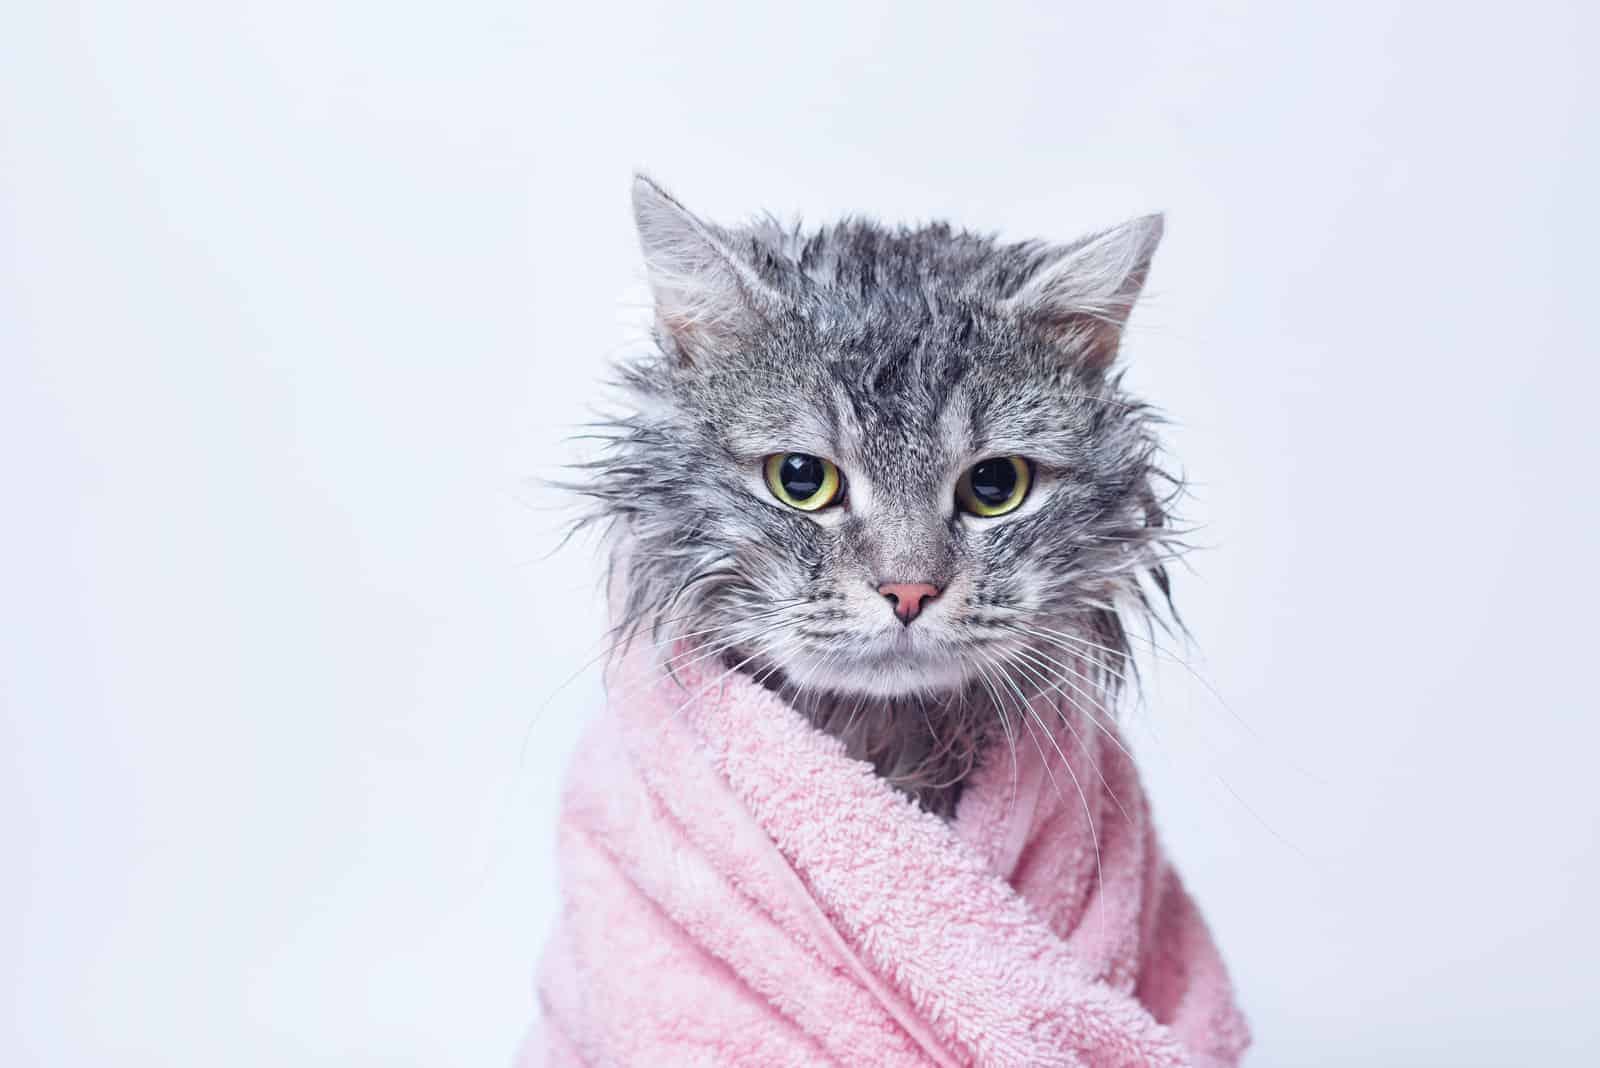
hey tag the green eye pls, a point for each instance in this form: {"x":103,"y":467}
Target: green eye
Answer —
{"x":803,"y":481}
{"x":994,"y":487}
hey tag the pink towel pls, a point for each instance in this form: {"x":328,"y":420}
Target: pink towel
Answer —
{"x":738,"y":891}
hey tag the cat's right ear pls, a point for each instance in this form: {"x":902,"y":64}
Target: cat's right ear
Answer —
{"x":705,"y":296}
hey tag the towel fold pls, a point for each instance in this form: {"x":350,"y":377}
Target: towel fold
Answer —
{"x":738,"y":891}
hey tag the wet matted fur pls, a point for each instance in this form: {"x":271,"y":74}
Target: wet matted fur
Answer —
{"x":905,"y":356}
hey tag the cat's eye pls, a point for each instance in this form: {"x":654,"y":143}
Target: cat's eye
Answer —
{"x":994,"y":487}
{"x":803,"y":481}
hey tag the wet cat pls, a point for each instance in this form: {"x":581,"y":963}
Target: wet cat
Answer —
{"x":892,"y":474}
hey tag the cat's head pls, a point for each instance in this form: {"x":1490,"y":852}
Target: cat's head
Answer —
{"x":883,"y":461}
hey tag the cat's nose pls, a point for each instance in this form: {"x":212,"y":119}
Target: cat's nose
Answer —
{"x":907,"y":597}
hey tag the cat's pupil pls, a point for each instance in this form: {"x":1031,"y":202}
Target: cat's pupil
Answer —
{"x":993,"y":481}
{"x":801,"y":475}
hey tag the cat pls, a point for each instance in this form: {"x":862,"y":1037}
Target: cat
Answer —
{"x":892,"y":474}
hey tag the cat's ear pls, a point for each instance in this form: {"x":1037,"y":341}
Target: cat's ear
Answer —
{"x":1082,"y":296}
{"x":705,"y":296}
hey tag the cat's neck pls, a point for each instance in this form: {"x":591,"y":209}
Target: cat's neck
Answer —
{"x":926,"y":745}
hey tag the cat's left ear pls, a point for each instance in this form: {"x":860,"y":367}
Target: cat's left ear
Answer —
{"x":1083,"y":296}
{"x":706,"y":296}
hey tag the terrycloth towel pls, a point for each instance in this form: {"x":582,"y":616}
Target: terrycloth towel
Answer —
{"x":738,"y":891}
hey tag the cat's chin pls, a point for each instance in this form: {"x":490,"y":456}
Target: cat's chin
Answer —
{"x":895,"y":672}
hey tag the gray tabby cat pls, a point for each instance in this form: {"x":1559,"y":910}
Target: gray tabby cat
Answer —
{"x":892,"y":475}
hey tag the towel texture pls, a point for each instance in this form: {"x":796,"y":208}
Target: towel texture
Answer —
{"x":738,"y":891}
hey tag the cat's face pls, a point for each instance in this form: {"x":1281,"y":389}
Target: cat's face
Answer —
{"x":882,"y":462}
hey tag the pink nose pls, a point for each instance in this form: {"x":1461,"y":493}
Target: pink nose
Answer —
{"x":907,"y":597}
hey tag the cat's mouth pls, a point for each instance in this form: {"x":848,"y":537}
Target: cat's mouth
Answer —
{"x":898,"y":666}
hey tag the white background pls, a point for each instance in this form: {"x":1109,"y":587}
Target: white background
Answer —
{"x":296,"y":298}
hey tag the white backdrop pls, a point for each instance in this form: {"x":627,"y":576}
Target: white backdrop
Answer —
{"x":294,"y":298}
